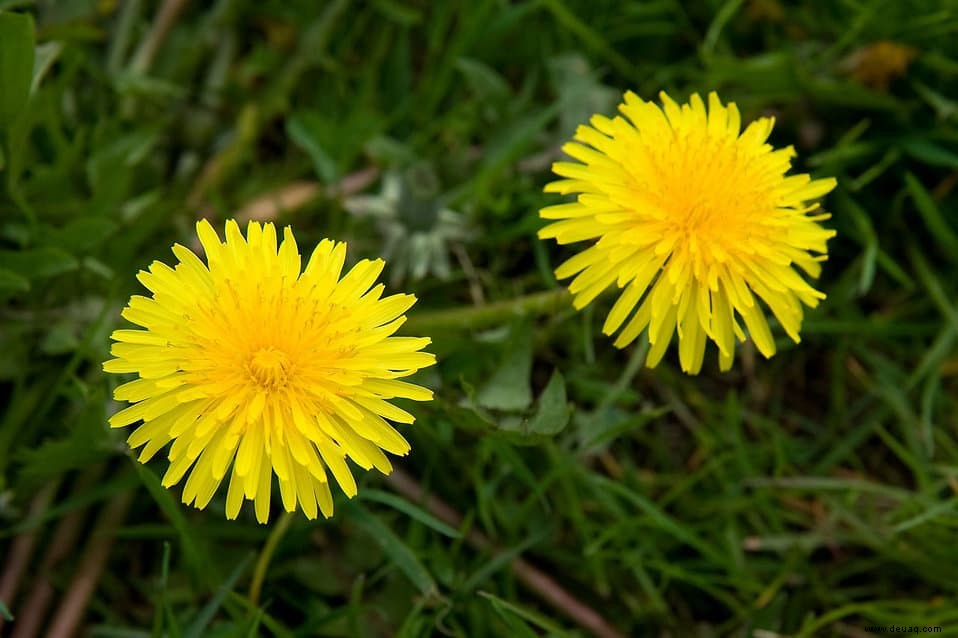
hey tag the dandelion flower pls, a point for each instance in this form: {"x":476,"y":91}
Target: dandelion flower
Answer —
{"x":253,"y":368}
{"x":697,"y":223}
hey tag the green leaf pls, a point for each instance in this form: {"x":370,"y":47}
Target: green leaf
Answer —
{"x":501,"y":561}
{"x":944,"y":107}
{"x":61,"y":338}
{"x":412,"y":511}
{"x":677,"y":529}
{"x":552,"y":415}
{"x":79,"y":235}
{"x":508,"y":388}
{"x":205,"y":617}
{"x":400,"y":553}
{"x":110,"y":168}
{"x":4,"y":612}
{"x":934,"y":220}
{"x":485,"y":82}
{"x":333,"y":142}
{"x":16,"y":65}
{"x":193,"y":552}
{"x":507,"y":608}
{"x":11,"y":282}
{"x":37,"y":263}
{"x":517,"y":626}
{"x":85,"y":443}
{"x":46,"y":54}
{"x":931,"y":153}
{"x":302,"y":129}
{"x":467,"y":417}
{"x":581,"y":94}
{"x":162,"y":605}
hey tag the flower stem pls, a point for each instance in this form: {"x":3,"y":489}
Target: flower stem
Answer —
{"x":265,"y":556}
{"x":540,"y":303}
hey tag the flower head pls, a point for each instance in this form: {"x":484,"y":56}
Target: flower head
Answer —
{"x":417,"y":226}
{"x":696,"y":220}
{"x":249,"y":363}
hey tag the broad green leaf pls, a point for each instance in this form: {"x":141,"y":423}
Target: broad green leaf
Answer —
{"x":552,"y":414}
{"x":16,"y":65}
{"x":508,"y":388}
{"x":467,"y":417}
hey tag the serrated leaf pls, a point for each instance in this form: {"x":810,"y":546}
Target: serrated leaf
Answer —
{"x":467,"y":417}
{"x":37,"y":263}
{"x":508,"y":388}
{"x":552,"y":415}
{"x":16,"y":65}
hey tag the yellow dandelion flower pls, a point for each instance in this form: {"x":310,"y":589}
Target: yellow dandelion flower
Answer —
{"x":696,"y":220}
{"x":249,"y":363}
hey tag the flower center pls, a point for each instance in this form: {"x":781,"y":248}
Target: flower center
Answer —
{"x":269,"y":368}
{"x":716,"y":200}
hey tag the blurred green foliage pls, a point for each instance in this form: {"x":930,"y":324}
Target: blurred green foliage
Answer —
{"x":810,"y":494}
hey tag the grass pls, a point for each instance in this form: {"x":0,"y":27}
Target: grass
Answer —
{"x":810,"y":494}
